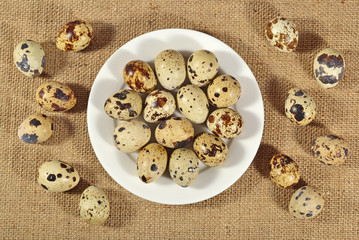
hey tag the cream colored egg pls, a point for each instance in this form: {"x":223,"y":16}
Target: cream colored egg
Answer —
{"x":225,"y":123}
{"x":330,"y":149}
{"x":284,"y":171}
{"x":223,"y":91}
{"x":202,"y":67}
{"x":159,"y":105}
{"x":36,"y":128}
{"x":125,"y":104}
{"x":306,"y":203}
{"x":183,"y":166}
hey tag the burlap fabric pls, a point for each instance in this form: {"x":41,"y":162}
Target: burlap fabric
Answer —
{"x":253,"y":208}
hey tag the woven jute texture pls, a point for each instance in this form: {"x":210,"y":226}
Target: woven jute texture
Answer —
{"x":253,"y":207}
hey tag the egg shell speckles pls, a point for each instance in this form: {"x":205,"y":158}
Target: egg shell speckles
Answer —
{"x":306,"y":203}
{"x":223,"y":91}
{"x":282,"y":34}
{"x":202,"y":67}
{"x":328,"y":67}
{"x":57,"y":176}
{"x":159,"y":105}
{"x":193,"y":103}
{"x":299,"y":107}
{"x":330,"y":150}
{"x":151,"y":162}
{"x":284,"y":171}
{"x":29,"y":58}
{"x":131,"y":136}
{"x":210,"y":149}
{"x":94,"y":206}
{"x":183,"y":166}
{"x":125,"y":104}
{"x":55,"y":97}
{"x":74,"y":36}
{"x":170,"y":69}
{"x":175,"y":132}
{"x":139,"y":76}
{"x":36,"y":128}
{"x":225,"y":123}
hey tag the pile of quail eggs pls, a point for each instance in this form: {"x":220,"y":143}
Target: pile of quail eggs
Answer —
{"x":58,"y":176}
{"x":300,"y":108}
{"x":174,"y":132}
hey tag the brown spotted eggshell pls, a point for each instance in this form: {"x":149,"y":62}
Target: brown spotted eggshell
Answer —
{"x":210,"y":149}
{"x":225,"y":123}
{"x":284,"y":171}
{"x":330,"y":150}
{"x":151,"y":162}
{"x":328,"y":67}
{"x":282,"y":34}
{"x":175,"y":132}
{"x":36,"y":128}
{"x":125,"y":104}
{"x":202,"y":67}
{"x":57,"y":176}
{"x":94,"y":206}
{"x":55,"y":97}
{"x":139,"y":76}
{"x":159,"y":105}
{"x":306,"y":203}
{"x":74,"y":36}
{"x":223,"y":91}
{"x":183,"y":166}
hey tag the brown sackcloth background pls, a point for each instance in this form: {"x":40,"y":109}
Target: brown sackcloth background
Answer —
{"x":253,"y":208}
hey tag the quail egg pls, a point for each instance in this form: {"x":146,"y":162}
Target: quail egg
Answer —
{"x":193,"y":103}
{"x":175,"y":132}
{"x":210,"y":149}
{"x":170,"y":68}
{"x":202,"y":67}
{"x":125,"y":104}
{"x":57,"y":176}
{"x":74,"y":36}
{"x":139,"y":76}
{"x":29,"y":58}
{"x":306,"y":203}
{"x":131,"y":136}
{"x":225,"y":123}
{"x":282,"y":34}
{"x":330,"y":149}
{"x":159,"y":105}
{"x":183,"y":166}
{"x":55,"y":97}
{"x":36,"y":128}
{"x":300,"y":108}
{"x":328,"y":67}
{"x":151,"y":162}
{"x":284,"y":171}
{"x":223,"y":91}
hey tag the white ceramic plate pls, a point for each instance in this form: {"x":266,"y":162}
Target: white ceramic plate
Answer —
{"x":122,"y":166}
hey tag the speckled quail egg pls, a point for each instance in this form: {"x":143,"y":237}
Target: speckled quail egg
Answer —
{"x":55,"y":97}
{"x":284,"y":171}
{"x":94,"y":206}
{"x":330,"y":149}
{"x":202,"y":67}
{"x":139,"y":76}
{"x":125,"y":104}
{"x":170,"y":69}
{"x":223,"y":91}
{"x":175,"y":132}
{"x":131,"y":136}
{"x":159,"y":105}
{"x":36,"y":128}
{"x":300,"y":108}
{"x":57,"y":176}
{"x":183,"y":166}
{"x":210,"y":149}
{"x":29,"y":58}
{"x":74,"y":36}
{"x":193,"y":103}
{"x":328,"y":67}
{"x":151,"y":162}
{"x":225,"y":123}
{"x":282,"y":34}
{"x":306,"y":203}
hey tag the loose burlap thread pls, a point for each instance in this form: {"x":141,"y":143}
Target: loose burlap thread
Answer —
{"x":253,"y":207}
